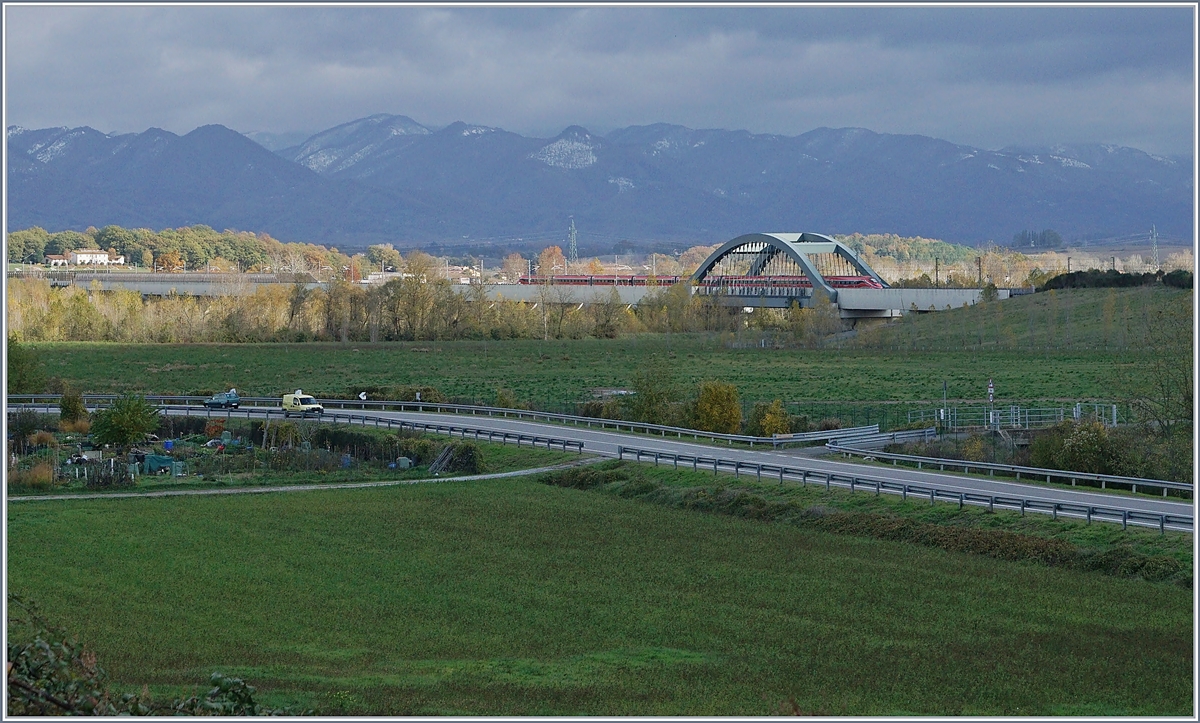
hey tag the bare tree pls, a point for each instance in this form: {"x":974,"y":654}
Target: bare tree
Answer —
{"x":1159,"y":383}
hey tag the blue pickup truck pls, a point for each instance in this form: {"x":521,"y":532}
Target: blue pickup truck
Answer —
{"x":224,"y":400}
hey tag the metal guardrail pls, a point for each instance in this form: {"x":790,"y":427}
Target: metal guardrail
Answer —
{"x":855,"y":482}
{"x":884,"y":438}
{"x":991,"y":467}
{"x":437,"y":407}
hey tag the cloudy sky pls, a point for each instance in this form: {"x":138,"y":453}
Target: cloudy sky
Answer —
{"x":988,"y":77}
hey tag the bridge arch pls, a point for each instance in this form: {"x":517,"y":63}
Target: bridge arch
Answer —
{"x":783,"y":254}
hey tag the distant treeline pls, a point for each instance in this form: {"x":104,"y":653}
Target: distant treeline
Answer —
{"x":1095,"y":279}
{"x":1047,"y":239}
{"x":908,"y":248}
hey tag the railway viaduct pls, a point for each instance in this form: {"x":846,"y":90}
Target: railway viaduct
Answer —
{"x":757,"y":270}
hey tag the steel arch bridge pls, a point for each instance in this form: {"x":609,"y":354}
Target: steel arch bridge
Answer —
{"x":783,"y":267}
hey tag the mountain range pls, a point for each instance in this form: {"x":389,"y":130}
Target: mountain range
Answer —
{"x":388,"y":178}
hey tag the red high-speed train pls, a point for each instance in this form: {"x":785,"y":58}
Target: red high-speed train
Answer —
{"x":837,"y":282}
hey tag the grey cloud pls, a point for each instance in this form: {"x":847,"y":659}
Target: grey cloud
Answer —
{"x":984,"y":76}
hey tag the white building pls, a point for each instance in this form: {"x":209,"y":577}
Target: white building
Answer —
{"x":94,"y":257}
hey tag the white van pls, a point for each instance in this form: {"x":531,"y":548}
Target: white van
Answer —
{"x":301,"y":403}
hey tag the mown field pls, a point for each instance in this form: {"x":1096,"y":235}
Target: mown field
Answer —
{"x":518,"y":598}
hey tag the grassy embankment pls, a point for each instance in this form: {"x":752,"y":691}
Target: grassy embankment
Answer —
{"x":514,"y":597}
{"x":1045,"y":325}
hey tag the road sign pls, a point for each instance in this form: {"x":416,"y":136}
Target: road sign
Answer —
{"x":991,"y":391}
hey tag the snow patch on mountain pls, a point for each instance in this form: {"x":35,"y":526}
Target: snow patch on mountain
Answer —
{"x":477,"y":130}
{"x":623,"y":184}
{"x":321,"y":160}
{"x":356,"y":157}
{"x":15,"y":131}
{"x":1070,"y":162}
{"x":57,"y":148}
{"x":565,"y":153}
{"x":1162,"y":159}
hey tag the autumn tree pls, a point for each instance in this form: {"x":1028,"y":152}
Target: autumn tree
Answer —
{"x":384,"y":256}
{"x":768,"y":419}
{"x":691,"y":259}
{"x":515,"y":266}
{"x":551,"y":261}
{"x":717,"y":408}
{"x":169,"y":261}
{"x":607,"y":311}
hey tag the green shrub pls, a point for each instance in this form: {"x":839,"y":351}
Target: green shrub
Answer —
{"x":768,"y":419}
{"x":601,"y":409}
{"x":1045,"y":450}
{"x":127,"y":421}
{"x":972,"y":449}
{"x":999,"y":544}
{"x":585,"y":478}
{"x":507,"y":399}
{"x":420,"y":450}
{"x":800,"y":423}
{"x":25,"y":369}
{"x":466,"y":457}
{"x":71,"y":407}
{"x":23,"y":424}
{"x":1083,"y":447}
{"x":1086,"y":449}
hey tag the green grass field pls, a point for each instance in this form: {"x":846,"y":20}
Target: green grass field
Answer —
{"x":1068,"y":346}
{"x":556,"y":373}
{"x":1044,"y":324}
{"x":517,"y":598}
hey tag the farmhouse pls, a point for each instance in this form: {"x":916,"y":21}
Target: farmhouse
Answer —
{"x":94,"y":257}
{"x":57,"y":260}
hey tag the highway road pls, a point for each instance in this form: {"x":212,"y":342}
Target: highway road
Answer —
{"x":605,"y":442}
